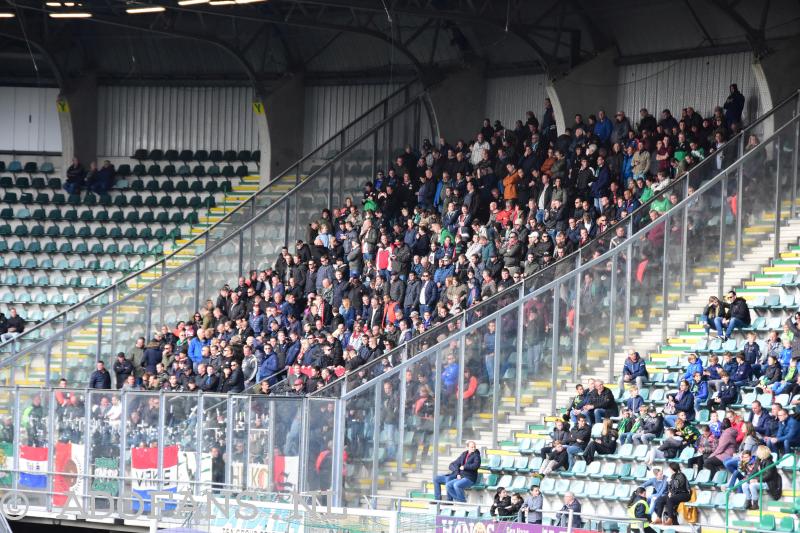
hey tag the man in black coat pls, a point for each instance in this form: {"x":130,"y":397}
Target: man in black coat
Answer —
{"x":601,"y":402}
{"x":122,"y":369}
{"x":462,"y":475}
{"x":579,"y":438}
{"x":100,"y":378}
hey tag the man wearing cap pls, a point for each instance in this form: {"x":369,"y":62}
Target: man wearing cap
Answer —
{"x":621,"y":128}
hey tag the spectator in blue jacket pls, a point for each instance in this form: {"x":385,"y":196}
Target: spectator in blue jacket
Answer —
{"x":699,"y":388}
{"x":634,"y":401}
{"x":196,"y":347}
{"x":603,"y":128}
{"x":695,"y":365}
{"x":788,"y":435}
{"x":744,"y":372}
{"x":633,"y":371}
{"x":450,"y":375}
{"x":268,"y":368}
{"x":660,"y":485}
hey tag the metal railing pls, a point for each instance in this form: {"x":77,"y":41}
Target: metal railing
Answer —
{"x":521,"y":352}
{"x":254,"y":244}
{"x":307,"y":166}
{"x":733,"y":149}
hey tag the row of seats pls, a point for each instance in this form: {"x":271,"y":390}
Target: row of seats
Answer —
{"x":37,"y":262}
{"x":169,"y":171}
{"x":185,"y":212}
{"x":10,"y":279}
{"x":76,"y":246}
{"x":119,"y":200}
{"x":170,"y":230}
{"x":31,"y":167}
{"x":201,"y":156}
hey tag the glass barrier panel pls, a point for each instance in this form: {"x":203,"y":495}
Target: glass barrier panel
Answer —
{"x":674,"y":289}
{"x":319,"y":446}
{"x":222,"y":268}
{"x":235,"y":452}
{"x":81,"y":352}
{"x":564,"y":327}
{"x":509,"y":348}
{"x":267,"y":236}
{"x":286,"y":428}
{"x":180,"y":440}
{"x":130,"y":323}
{"x":593,"y":317}
{"x":418,"y":414}
{"x":179,"y":296}
{"x":351,"y":172}
{"x":214,"y":441}
{"x":785,"y":171}
{"x":261,"y":438}
{"x":311,"y":198}
{"x":646,"y":281}
{"x":449,"y":376}
{"x":105,"y":441}
{"x":8,"y":443}
{"x":536,"y":345}
{"x":757,"y":202}
{"x":360,"y":417}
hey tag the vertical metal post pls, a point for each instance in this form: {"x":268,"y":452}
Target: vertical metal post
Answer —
{"x":271,"y":443}
{"x":374,"y":154}
{"x":612,"y":323}
{"x":241,"y":253}
{"x":576,"y":340}
{"x":201,"y":409}
{"x":51,"y":440}
{"x":376,"y":435}
{"x":722,"y":233}
{"x":338,"y":451}
{"x":123,"y":445}
{"x":148,"y":306}
{"x":286,"y":219}
{"x":16,"y":414}
{"x":460,"y":396}
{"x":417,"y":114}
{"x":497,"y":394}
{"x":627,"y":281}
{"x":554,"y":348}
{"x":739,"y":200}
{"x":684,"y":240}
{"x":160,"y":440}
{"x":664,"y":277}
{"x":197,"y":303}
{"x":520,"y":348}
{"x":303,"y":448}
{"x":437,"y":413}
{"x":87,"y":485}
{"x":401,"y":422}
{"x":777,"y":250}
{"x":99,"y":339}
{"x":114,"y":320}
{"x":229,"y":422}
{"x":795,"y":155}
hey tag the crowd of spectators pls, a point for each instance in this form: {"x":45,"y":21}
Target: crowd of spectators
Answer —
{"x":741,"y":439}
{"x":98,"y":180}
{"x":440,"y":231}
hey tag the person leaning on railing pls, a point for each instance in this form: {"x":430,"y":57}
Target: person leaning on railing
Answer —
{"x":769,"y":478}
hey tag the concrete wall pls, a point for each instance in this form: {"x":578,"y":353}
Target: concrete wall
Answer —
{"x":585,"y":89}
{"x":782,"y":70}
{"x":283,"y":124}
{"x":459,"y":103}
{"x":79,"y":126}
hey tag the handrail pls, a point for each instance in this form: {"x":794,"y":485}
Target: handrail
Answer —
{"x":296,"y":165}
{"x":15,"y":356}
{"x":760,"y":475}
{"x":398,"y":352}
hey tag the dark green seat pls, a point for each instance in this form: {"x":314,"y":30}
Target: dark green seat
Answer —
{"x":22,"y":182}
{"x":242,"y":171}
{"x":115,"y":233}
{"x":68,"y":231}
{"x":81,"y":248}
{"x":130,"y":233}
{"x":54,"y":214}
{"x":168,"y":186}
{"x":182,"y":187}
{"x":177,"y":218}
{"x":171,"y":155}
{"x":192,"y":218}
{"x":6,"y":182}
{"x":146,"y":233}
{"x":199,"y":171}
{"x":7,"y":213}
{"x":39,"y":214}
{"x":50,"y":247}
{"x":154,"y":170}
{"x":31,"y":167}
{"x":201,"y":156}
{"x":212,"y":186}
{"x":37,"y":231}
{"x":87,"y":215}
{"x":53,"y":231}
{"x":42,"y":198}
{"x":58,"y":199}
{"x":214,"y":171}
{"x":184,"y":171}
{"x":196,"y":186}
{"x":228,"y":171}
{"x":137,"y":185}
{"x":148,"y":217}
{"x":96,"y":248}
{"x":139,"y":170}
{"x":71,"y":215}
{"x":106,"y":200}
{"x":140,"y":154}
{"x":47,"y":168}
{"x":120,"y":200}
{"x":26,"y":198}
{"x":160,"y":234}
{"x":74,"y":199}
{"x":101,"y":216}
{"x":181,"y":202}
{"x":65,"y":248}
{"x":256,"y":157}
{"x":136,"y":201}
{"x":54,"y":183}
{"x":38,"y":183}
{"x":226,"y":186}
{"x":156,"y":155}
{"x":244,"y":156}
{"x":215,"y":156}
{"x":124,"y":170}
{"x":132,"y":217}
{"x":118,"y":216}
{"x":163,"y":217}
{"x":165,"y":201}
{"x":151,"y":201}
{"x":229,"y":156}
{"x":153,"y":186}
{"x":186,"y":155}
{"x":100,"y":232}
{"x":10,"y":198}
{"x":169,"y":171}
{"x":90,"y":199}
{"x":84,"y":232}
{"x":195,"y":202}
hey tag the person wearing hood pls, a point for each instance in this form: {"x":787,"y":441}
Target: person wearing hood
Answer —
{"x":734,"y":106}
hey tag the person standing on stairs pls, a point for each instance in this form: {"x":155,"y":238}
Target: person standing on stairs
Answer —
{"x":463,"y":472}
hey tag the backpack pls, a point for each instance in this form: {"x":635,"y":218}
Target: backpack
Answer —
{"x":689,"y":512}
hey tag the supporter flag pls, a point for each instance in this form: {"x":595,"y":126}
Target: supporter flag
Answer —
{"x":144,"y":466}
{"x":6,"y":463}
{"x":32,"y":467}
{"x":68,"y":472}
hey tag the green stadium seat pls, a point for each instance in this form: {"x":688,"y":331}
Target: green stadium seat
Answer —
{"x":47,"y":168}
{"x":140,"y":154}
{"x":186,"y":156}
{"x":124,"y":170}
{"x":151,"y":201}
{"x":54,"y":183}
{"x":215,"y":156}
{"x":244,"y":156}
{"x":38,"y":182}
{"x":214,"y":171}
{"x":171,"y":155}
{"x":199,"y":171}
{"x":242,"y":171}
{"x":139,"y":170}
{"x":136,"y":201}
{"x":229,"y":156}
{"x":31,"y":167}
{"x":228,"y":171}
{"x":148,"y":217}
{"x":14,"y":167}
{"x":23,"y":182}
{"x":156,"y":155}
{"x":168,"y":186}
